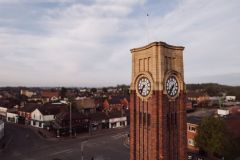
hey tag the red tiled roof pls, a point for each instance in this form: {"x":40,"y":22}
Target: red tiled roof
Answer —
{"x":233,"y":124}
{"x":50,"y":94}
{"x":85,"y":103}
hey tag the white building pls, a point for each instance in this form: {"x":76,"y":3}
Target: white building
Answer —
{"x":230,"y":98}
{"x":117,"y":122}
{"x":83,"y":90}
{"x":12,"y":117}
{"x":3,"y":112}
{"x":1,"y":129}
{"x":27,"y":93}
{"x":223,"y":112}
{"x":40,"y":118}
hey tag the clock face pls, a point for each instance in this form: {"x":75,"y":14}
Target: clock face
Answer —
{"x":144,"y":86}
{"x":172,"y":86}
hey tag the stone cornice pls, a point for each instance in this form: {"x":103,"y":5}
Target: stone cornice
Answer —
{"x":157,"y":44}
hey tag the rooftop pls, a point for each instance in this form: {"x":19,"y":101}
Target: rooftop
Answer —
{"x":29,"y":107}
{"x":194,"y":120}
{"x":85,"y":103}
{"x":164,"y":44}
{"x":46,"y":110}
{"x":50,"y":94}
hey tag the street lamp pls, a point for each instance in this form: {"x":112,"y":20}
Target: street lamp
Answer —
{"x":70,"y":120}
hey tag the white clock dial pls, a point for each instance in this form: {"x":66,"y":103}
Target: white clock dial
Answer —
{"x":144,"y":86}
{"x":172,"y":86}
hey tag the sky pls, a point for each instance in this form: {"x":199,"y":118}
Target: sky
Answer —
{"x":88,"y":42}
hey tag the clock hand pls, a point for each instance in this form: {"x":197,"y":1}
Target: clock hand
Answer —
{"x":142,"y":88}
{"x":171,"y":88}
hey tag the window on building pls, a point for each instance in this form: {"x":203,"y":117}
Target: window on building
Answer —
{"x":122,"y":123}
{"x":40,"y":117}
{"x":191,"y":142}
{"x":192,"y":129}
{"x":114,"y":125}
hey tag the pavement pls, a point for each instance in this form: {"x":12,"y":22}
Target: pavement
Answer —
{"x":106,"y":148}
{"x":47,"y":135}
{"x":26,"y":144}
{"x":4,"y":142}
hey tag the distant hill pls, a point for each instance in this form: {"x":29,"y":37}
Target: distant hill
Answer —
{"x":215,"y":89}
{"x":232,"y":79}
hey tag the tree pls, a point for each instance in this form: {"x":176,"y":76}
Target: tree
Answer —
{"x":105,"y":90}
{"x":214,"y":89}
{"x":210,"y":135}
{"x":93,"y":90}
{"x":214,"y":138}
{"x":63,"y":92}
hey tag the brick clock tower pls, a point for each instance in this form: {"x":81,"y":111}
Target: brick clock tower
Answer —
{"x":157,"y":103}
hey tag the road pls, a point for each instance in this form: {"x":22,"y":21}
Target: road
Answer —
{"x":25,"y":144}
{"x":202,"y":112}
